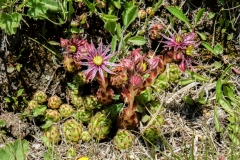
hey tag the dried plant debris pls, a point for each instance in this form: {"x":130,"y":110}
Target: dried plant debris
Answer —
{"x":15,"y":126}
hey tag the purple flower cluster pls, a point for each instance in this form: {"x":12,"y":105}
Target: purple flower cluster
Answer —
{"x":182,"y":47}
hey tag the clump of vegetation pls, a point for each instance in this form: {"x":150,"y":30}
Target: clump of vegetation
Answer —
{"x":131,"y":74}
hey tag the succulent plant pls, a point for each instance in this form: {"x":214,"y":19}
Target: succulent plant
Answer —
{"x":83,"y":115}
{"x":53,"y":115}
{"x":99,"y":126}
{"x":158,"y":121}
{"x":174,"y":72}
{"x":105,"y":96}
{"x":69,"y":64}
{"x":66,"y":110}
{"x":32,"y":104}
{"x":80,"y":79}
{"x":86,"y":136}
{"x":145,"y":96}
{"x":53,"y":134}
{"x":149,"y":11}
{"x":142,"y":14}
{"x":153,"y":106}
{"x":72,"y":130}
{"x":152,"y":134}
{"x":120,"y":78}
{"x":71,"y":153}
{"x":90,"y":102}
{"x":161,"y":83}
{"x":40,"y":97}
{"x":77,"y":101}
{"x":123,"y":139}
{"x":54,"y":102}
{"x":156,"y":30}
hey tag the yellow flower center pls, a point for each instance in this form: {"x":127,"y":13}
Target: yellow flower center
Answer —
{"x":73,"y":49}
{"x":144,"y":67}
{"x":98,"y":60}
{"x":178,"y":39}
{"x":189,"y":51}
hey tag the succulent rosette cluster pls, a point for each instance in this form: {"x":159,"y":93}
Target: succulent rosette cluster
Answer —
{"x":54,"y":102}
{"x":123,"y":139}
{"x":53,"y":115}
{"x":99,"y":126}
{"x":141,"y":71}
{"x":181,"y":47}
{"x":38,"y":98}
{"x":66,"y":110}
{"x":72,"y":130}
{"x":52,"y":134}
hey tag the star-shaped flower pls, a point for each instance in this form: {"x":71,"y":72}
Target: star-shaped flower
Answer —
{"x":97,"y":61}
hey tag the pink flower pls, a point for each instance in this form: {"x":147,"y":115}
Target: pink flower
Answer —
{"x":179,"y":41}
{"x":74,"y":45}
{"x":97,"y":61}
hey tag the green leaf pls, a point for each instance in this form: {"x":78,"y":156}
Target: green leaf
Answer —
{"x":179,"y":14}
{"x":202,"y":35}
{"x":216,"y":122}
{"x":129,"y":14}
{"x":36,"y":9}
{"x":19,"y":92}
{"x":220,"y":21}
{"x":209,"y":47}
{"x":52,"y":5}
{"x":18,"y":67}
{"x":137,"y":40}
{"x":186,"y":81}
{"x":230,"y":36}
{"x":5,"y":155}
{"x":119,"y":31}
{"x":110,"y":26}
{"x":72,"y":86}
{"x":223,"y":30}
{"x":229,"y":93}
{"x":171,"y":21}
{"x":145,"y":96}
{"x":39,"y":110}
{"x":211,"y":15}
{"x":107,"y":17}
{"x":116,"y":3}
{"x":188,"y":100}
{"x":218,"y":48}
{"x":145,"y":118}
{"x":2,"y":123}
{"x":75,"y":30}
{"x":218,"y":89}
{"x":226,"y":70}
{"x":46,"y":142}
{"x":113,"y":45}
{"x":7,"y":99}
{"x":217,"y":65}
{"x":198,"y":77}
{"x":47,"y":124}
{"x":199,"y":15}
{"x":10,"y":23}
{"x":54,"y":43}
{"x":21,"y":149}
{"x":226,"y":106}
{"x":234,"y":139}
{"x":90,"y":5}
